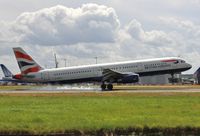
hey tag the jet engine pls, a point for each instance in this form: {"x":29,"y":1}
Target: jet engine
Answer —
{"x":129,"y":78}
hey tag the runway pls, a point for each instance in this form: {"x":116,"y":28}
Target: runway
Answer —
{"x":99,"y":91}
{"x":90,"y":88}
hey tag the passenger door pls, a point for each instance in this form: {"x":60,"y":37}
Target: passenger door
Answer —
{"x":140,"y":67}
{"x":45,"y":76}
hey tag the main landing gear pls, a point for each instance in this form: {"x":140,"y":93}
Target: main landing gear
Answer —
{"x":173,"y":79}
{"x":106,"y":86}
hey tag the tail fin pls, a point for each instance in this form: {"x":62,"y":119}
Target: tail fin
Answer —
{"x":6,"y":71}
{"x":26,"y":62}
{"x":197,"y":72}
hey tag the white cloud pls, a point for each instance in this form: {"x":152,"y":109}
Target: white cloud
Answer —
{"x":80,"y":34}
{"x":61,"y":25}
{"x":182,"y":40}
{"x":185,"y":32}
{"x":153,"y":37}
{"x":185,"y":26}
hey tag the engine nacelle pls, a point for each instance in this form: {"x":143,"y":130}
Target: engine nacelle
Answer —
{"x":129,"y":78}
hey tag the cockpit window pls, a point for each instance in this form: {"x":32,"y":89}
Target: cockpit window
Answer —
{"x":176,"y":62}
{"x":182,"y":61}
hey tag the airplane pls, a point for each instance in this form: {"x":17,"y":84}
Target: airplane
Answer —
{"x":8,"y":76}
{"x":197,"y":75}
{"x":191,"y":78}
{"x":107,"y":73}
{"x":6,"y":71}
{"x":197,"y":72}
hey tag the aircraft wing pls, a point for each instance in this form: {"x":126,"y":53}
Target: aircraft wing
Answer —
{"x":119,"y":77}
{"x":109,"y":74}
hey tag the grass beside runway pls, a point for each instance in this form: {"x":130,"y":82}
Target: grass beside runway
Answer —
{"x":16,"y":87}
{"x":43,"y":113}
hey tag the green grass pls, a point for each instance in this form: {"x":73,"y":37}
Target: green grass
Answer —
{"x":40,"y":114}
{"x":15,"y":87}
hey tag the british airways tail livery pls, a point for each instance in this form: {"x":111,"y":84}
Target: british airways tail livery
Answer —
{"x":25,"y":62}
{"x":107,"y":73}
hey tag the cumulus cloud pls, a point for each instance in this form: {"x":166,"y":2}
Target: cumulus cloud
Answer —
{"x":137,"y":43}
{"x":177,"y":23}
{"x":154,"y":37}
{"x":185,"y":32}
{"x":80,"y":34}
{"x":62,"y":25}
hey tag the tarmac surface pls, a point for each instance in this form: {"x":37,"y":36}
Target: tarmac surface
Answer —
{"x":99,"y":91}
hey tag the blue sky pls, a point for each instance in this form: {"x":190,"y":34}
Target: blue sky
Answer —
{"x":112,"y":30}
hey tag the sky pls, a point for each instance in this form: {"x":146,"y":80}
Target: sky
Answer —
{"x":118,"y":30}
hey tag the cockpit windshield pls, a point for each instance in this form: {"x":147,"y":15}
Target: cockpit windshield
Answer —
{"x":182,"y":61}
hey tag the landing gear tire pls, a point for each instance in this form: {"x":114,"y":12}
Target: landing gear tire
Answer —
{"x":103,"y":87}
{"x":173,"y":80}
{"x":110,"y":87}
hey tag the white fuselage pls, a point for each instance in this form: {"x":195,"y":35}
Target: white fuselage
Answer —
{"x":94,"y":72}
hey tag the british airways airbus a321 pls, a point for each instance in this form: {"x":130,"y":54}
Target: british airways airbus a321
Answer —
{"x":106,"y":74}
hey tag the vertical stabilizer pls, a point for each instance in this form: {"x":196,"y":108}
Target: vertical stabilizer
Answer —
{"x":26,"y":62}
{"x":197,"y":72}
{"x":6,"y":71}
{"x":197,"y":75}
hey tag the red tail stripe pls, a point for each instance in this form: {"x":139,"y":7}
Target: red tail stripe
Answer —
{"x":21,"y":55}
{"x":18,"y":76}
{"x":169,"y":60}
{"x":33,"y":69}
